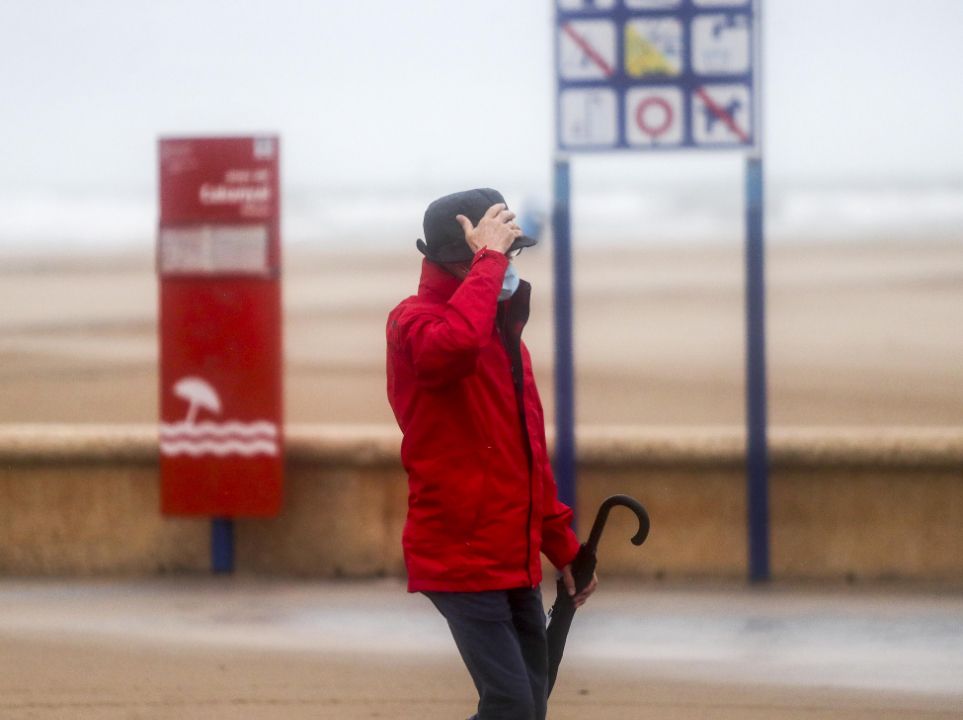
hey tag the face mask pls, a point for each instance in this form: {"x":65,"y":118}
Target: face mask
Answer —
{"x":509,"y":284}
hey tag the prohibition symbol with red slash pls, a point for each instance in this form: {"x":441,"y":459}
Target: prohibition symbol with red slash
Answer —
{"x":654,"y":116}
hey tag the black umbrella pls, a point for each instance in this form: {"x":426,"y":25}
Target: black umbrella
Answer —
{"x":583,"y":569}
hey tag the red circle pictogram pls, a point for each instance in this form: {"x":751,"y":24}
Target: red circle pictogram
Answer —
{"x":662,"y":112}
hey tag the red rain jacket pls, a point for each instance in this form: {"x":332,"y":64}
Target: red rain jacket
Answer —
{"x":482,"y":500}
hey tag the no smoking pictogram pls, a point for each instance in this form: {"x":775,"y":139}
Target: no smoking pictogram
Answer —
{"x":653,"y":116}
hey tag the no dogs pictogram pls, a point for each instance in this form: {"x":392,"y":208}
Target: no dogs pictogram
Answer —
{"x":721,"y":114}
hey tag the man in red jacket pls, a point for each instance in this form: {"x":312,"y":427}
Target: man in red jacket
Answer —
{"x":482,"y":502}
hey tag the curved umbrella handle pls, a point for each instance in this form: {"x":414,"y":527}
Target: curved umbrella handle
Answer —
{"x":603,"y":514}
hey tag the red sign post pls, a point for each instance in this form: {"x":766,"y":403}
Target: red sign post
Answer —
{"x":218,"y":260}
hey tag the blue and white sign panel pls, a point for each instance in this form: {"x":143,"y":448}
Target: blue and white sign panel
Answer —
{"x":656,"y":74}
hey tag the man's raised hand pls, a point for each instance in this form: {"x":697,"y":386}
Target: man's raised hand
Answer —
{"x":496,"y":229}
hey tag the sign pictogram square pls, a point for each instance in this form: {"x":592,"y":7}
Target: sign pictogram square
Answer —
{"x":654,"y":117}
{"x":586,"y":50}
{"x":722,"y":115}
{"x":589,"y":117}
{"x":585,"y":5}
{"x":721,"y":44}
{"x":653,"y":47}
{"x":652,"y":4}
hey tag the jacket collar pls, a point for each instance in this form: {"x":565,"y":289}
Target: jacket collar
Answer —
{"x":436,"y":283}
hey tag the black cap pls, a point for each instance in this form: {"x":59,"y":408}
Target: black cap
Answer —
{"x":444,"y":236}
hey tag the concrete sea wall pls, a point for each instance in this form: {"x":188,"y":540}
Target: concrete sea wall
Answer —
{"x":845,"y":504}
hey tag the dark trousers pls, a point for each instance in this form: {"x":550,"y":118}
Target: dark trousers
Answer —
{"x":501,"y":637}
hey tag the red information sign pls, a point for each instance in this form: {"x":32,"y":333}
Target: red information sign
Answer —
{"x":218,"y":259}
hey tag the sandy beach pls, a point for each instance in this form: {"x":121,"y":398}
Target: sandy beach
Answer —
{"x":859,"y":334}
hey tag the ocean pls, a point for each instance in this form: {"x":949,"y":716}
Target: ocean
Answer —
{"x":614,"y":214}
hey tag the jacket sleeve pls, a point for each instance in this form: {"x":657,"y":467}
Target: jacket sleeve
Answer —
{"x":445,"y":347}
{"x":559,"y":542}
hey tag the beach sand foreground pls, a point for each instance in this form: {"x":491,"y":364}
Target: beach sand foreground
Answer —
{"x":236,"y":648}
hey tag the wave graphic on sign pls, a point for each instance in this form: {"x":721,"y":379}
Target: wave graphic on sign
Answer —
{"x":218,"y":448}
{"x":220,"y":439}
{"x":219,"y":430}
{"x":196,"y":439}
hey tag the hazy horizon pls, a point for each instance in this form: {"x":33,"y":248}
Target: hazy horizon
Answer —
{"x":382,"y":106}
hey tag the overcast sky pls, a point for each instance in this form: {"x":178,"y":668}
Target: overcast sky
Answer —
{"x":429,"y":92}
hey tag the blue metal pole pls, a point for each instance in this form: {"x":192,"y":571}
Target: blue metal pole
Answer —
{"x":757,"y":453}
{"x":222,"y":545}
{"x":564,"y":366}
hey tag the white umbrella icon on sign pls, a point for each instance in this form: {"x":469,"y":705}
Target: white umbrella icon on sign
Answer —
{"x":199,"y":394}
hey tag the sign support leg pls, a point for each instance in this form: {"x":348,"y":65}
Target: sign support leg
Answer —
{"x":564,"y":366}
{"x":757,"y":454}
{"x":222,"y":545}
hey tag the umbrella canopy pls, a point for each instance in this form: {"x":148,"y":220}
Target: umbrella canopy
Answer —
{"x":199,"y":394}
{"x":583,"y":569}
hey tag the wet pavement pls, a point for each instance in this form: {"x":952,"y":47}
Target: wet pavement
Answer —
{"x":893,"y":640}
